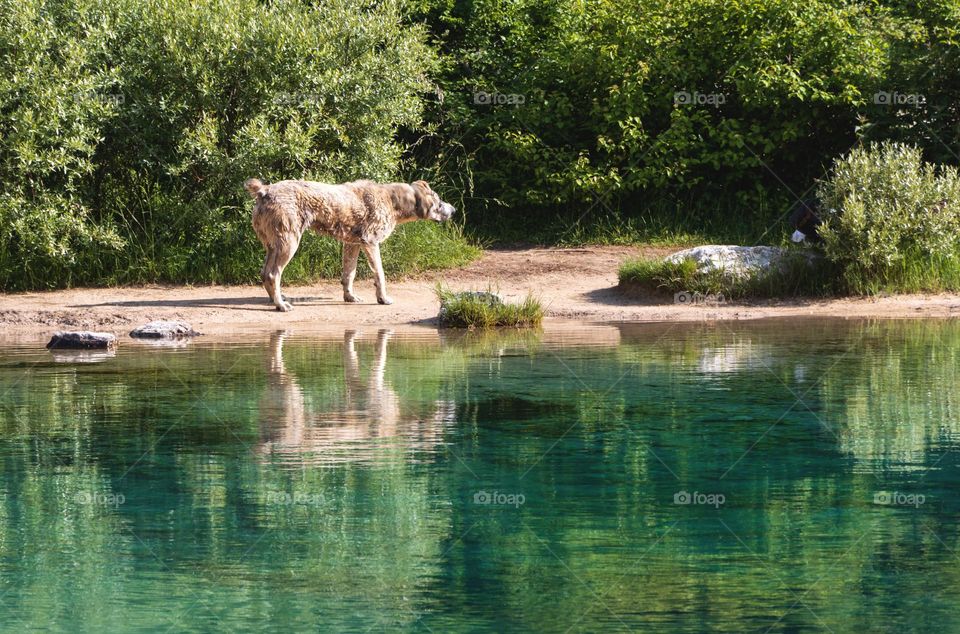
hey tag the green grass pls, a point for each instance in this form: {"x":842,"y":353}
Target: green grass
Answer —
{"x":679,"y":221}
{"x":913,"y":273}
{"x":467,"y":310}
{"x":658,"y":277}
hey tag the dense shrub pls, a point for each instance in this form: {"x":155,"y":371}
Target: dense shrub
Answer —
{"x":893,"y":220}
{"x":128,"y":127}
{"x":51,"y":122}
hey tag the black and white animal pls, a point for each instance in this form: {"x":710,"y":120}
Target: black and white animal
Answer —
{"x":805,"y":221}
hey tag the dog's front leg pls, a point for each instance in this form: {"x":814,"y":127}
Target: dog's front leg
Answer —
{"x":373,"y":257}
{"x":350,"y":254}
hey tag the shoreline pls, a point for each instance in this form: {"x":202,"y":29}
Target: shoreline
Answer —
{"x":574,"y":285}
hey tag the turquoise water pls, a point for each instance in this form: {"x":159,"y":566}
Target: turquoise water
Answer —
{"x":781,"y":476}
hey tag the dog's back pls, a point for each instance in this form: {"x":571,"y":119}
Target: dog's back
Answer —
{"x":349,"y":212}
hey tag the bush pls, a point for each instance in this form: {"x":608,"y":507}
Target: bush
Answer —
{"x":127,"y":129}
{"x":51,"y":123}
{"x":894,"y":221}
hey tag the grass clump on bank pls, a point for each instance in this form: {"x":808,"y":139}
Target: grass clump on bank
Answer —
{"x":470,"y":309}
{"x":796,"y":276}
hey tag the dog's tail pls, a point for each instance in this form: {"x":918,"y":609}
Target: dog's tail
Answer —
{"x":255,"y":187}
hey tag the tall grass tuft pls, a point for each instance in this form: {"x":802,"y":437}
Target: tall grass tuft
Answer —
{"x":486,"y":310}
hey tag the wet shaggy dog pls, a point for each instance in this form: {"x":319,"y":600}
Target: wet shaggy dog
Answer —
{"x":361,"y":215}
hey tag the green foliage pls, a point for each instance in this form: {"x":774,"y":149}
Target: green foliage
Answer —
{"x":891,"y":225}
{"x":921,"y":85}
{"x":473,"y":310}
{"x":51,"y":122}
{"x":894,"y":220}
{"x":601,"y":130}
{"x":686,"y":220}
{"x":422,"y":246}
{"x":127,"y":128}
{"x":776,"y":89}
{"x":657,"y":277}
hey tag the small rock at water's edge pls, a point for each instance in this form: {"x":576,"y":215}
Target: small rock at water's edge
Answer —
{"x":82,"y":340}
{"x":163,"y":329}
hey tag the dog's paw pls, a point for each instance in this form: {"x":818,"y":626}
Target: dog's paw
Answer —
{"x":284,"y":307}
{"x":350,"y":297}
{"x":384,"y":300}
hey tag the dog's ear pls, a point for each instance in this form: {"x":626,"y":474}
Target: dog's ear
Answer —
{"x":420,"y":203}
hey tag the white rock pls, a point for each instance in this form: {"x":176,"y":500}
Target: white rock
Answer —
{"x":739,"y":261}
{"x":163,"y":329}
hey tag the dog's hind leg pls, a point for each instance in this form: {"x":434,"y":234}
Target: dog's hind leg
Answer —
{"x":372,"y":252}
{"x":277,"y":259}
{"x":350,"y":254}
{"x":265,"y":273}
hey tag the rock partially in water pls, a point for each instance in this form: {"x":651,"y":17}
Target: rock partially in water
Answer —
{"x":738,"y":261}
{"x":164,"y":329}
{"x":82,"y":340}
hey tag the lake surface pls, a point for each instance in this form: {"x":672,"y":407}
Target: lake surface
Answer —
{"x":781,"y":476}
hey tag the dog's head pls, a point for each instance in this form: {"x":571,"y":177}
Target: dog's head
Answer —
{"x":428,"y":203}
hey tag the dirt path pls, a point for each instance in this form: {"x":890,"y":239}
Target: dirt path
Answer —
{"x":574,"y":284}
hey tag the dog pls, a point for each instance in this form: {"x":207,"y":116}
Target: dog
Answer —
{"x":360,"y":214}
{"x":805,"y":221}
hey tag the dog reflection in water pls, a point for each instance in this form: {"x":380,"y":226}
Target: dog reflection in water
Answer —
{"x":362,"y":424}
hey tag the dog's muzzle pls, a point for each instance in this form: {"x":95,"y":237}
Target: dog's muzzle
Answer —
{"x":447,"y":210}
